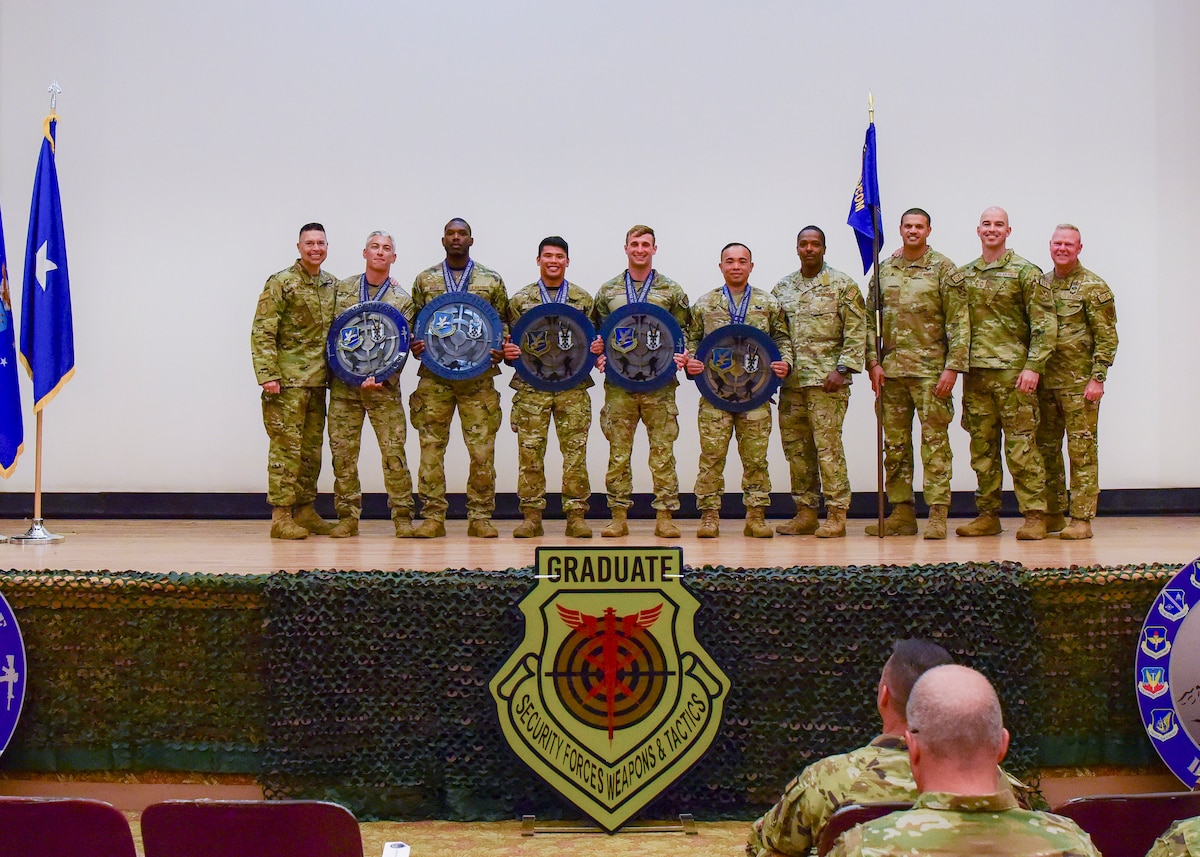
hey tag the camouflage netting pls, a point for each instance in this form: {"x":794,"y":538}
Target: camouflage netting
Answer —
{"x":371,"y":688}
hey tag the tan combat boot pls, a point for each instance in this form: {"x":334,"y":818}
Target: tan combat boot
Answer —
{"x":710,"y":524}
{"x":617,"y":527}
{"x":531,"y":526}
{"x":986,"y":524}
{"x":282,"y":525}
{"x":481,"y":528}
{"x":344,"y":529}
{"x":756,"y":527}
{"x":835,"y":524}
{"x":577,"y":527}
{"x":664,"y":527}
{"x":430,"y":528}
{"x":936,"y":528}
{"x":1055,"y":522}
{"x":402,"y":521}
{"x":1034,"y":527}
{"x":804,"y":524}
{"x":1079,"y":528}
{"x":901,"y":522}
{"x":307,"y":517}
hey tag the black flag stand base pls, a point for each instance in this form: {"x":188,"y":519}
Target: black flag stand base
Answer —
{"x":36,"y":534}
{"x":686,"y":826}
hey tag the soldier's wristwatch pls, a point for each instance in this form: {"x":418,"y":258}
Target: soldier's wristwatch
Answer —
{"x":842,"y":370}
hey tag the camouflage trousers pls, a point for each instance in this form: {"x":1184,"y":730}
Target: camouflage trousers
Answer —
{"x":530,"y":419}
{"x":1066,"y":411}
{"x":348,"y":408}
{"x":295,"y":421}
{"x":901,"y":398}
{"x":991,"y":406}
{"x":431,"y":407}
{"x":717,"y":427}
{"x":618,"y":420}
{"x":810,"y":426}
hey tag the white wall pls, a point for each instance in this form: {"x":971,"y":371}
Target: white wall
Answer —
{"x":195,"y":139}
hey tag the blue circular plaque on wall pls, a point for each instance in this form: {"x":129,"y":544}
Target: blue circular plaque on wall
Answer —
{"x":12,"y":673}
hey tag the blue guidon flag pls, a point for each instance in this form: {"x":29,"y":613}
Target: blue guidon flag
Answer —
{"x":47,"y":332}
{"x":864,"y":206}
{"x":12,"y":427}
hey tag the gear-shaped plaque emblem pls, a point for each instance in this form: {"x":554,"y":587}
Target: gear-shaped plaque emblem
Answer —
{"x":555,"y":341}
{"x":460,"y":330}
{"x":369,"y":339}
{"x":737,"y":372}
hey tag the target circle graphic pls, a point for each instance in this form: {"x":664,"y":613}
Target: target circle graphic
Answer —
{"x":610,"y":680}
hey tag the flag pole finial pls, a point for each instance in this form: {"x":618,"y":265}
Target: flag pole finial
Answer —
{"x":54,"y":89}
{"x":870,"y":106}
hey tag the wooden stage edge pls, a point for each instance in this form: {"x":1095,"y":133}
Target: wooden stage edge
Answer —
{"x":243,"y":547}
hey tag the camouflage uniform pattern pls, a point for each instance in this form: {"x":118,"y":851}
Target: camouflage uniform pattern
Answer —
{"x":827,"y":324}
{"x":1085,"y":348}
{"x":947,"y":824}
{"x":530,"y":419}
{"x":926,"y":330}
{"x":287,"y":344}
{"x":350,"y":406}
{"x":1013,"y":327}
{"x":656,"y":409}
{"x":431,"y":407}
{"x":1182,"y":839}
{"x":753,"y":427}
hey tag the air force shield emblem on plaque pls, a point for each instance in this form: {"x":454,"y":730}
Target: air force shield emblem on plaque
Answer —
{"x":609,"y":698}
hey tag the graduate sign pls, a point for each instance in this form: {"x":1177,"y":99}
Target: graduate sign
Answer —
{"x":609,"y":698}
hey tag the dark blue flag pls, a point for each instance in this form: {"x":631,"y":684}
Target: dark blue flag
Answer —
{"x":12,"y":426}
{"x":47,"y":334}
{"x":865,"y":203}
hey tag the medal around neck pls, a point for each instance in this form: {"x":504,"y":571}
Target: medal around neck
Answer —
{"x":369,"y":339}
{"x":555,"y":341}
{"x":641,"y":340}
{"x":737,"y":372}
{"x":460,"y":331}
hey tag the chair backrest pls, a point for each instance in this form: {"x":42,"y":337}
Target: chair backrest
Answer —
{"x":852,"y":815}
{"x":1127,"y":825}
{"x":250,"y":828}
{"x":62,"y":827}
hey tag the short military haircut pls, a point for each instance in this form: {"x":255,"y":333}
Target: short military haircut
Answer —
{"x":553,"y":241}
{"x":920,"y":211}
{"x":811,"y":228}
{"x":457,"y":220}
{"x":955,"y":714}
{"x":909,"y":661}
{"x":639,"y":230}
{"x":1070,"y":226}
{"x":311,"y":227}
{"x":381,"y":234}
{"x":736,"y":244}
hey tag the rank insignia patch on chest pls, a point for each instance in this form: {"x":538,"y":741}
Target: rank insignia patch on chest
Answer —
{"x":609,"y":698}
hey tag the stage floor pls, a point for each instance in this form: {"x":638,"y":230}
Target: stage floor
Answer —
{"x":243,"y":547}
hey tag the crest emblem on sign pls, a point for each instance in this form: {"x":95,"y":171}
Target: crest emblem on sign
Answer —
{"x":565,"y":338}
{"x":721,"y":360}
{"x":1155,"y":642}
{"x":442,"y":324}
{"x":1173,"y":604}
{"x":536,"y":342}
{"x":351,"y":337}
{"x":609,"y":697}
{"x":1154,"y":682}
{"x":624,"y":339}
{"x":1163,"y":725}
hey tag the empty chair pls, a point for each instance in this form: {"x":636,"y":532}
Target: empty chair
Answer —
{"x":1127,"y":825}
{"x":854,"y":814}
{"x":62,"y":827}
{"x":250,"y":828}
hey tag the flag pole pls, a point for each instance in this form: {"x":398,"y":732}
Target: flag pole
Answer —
{"x":876,"y":243}
{"x":37,"y":533}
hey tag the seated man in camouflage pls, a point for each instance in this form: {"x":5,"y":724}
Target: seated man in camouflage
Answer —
{"x":875,"y":773}
{"x":956,"y":738}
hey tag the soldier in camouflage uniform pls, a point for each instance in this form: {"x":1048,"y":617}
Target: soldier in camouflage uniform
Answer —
{"x":432,"y":404}
{"x":532,"y":408}
{"x":287,"y":345}
{"x":1182,"y":839}
{"x":826,"y":320}
{"x":1013,"y":329}
{"x":1073,"y":384}
{"x":926,"y":343}
{"x":876,"y":773}
{"x":349,"y":405}
{"x":736,"y":301}
{"x":955,"y":738}
{"x":656,"y":408}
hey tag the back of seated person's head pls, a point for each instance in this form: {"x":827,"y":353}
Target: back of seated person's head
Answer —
{"x":954,"y":714}
{"x":910,"y":659}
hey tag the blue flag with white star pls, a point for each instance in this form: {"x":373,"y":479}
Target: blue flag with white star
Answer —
{"x":47,"y":334}
{"x":866,"y":201}
{"x":12,"y":426}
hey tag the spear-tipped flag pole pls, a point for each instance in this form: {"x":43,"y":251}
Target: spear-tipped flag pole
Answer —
{"x":865,"y":220}
{"x":47,"y":333}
